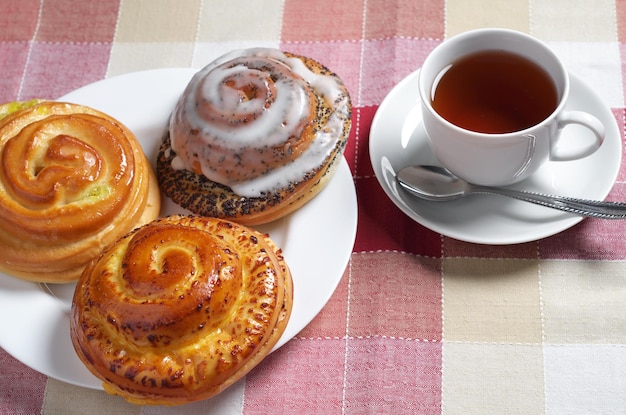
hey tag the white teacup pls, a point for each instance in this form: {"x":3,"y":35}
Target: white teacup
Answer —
{"x":502,"y":158}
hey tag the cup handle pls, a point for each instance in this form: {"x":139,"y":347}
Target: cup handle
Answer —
{"x":562,"y":153}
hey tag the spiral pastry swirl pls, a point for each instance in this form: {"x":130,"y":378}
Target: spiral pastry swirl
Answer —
{"x":180,"y":309}
{"x":256,"y":134}
{"x":72,"y":180}
{"x":251,"y":114}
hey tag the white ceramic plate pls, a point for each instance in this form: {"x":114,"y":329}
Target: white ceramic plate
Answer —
{"x":317,"y":240}
{"x":398,"y":139}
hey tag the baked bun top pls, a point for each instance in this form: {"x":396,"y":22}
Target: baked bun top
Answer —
{"x":180,"y":309}
{"x":72,"y":181}
{"x":261,"y":124}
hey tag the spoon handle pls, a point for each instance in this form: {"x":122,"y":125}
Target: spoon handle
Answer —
{"x":583,"y":207}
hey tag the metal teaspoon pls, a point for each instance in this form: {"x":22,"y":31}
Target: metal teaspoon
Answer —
{"x":438,"y":184}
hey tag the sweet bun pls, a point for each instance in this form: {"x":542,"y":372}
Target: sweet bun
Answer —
{"x":73,"y":180}
{"x":254,"y":136}
{"x":180,"y":309}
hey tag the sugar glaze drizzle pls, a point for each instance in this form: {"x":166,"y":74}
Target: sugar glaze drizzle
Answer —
{"x":234,"y":113}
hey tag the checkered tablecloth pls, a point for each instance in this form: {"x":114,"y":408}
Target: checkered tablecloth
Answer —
{"x":420,"y":323}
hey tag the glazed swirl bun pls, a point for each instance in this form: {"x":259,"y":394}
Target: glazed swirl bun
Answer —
{"x":72,"y":181}
{"x":180,"y":309}
{"x":255,"y":135}
{"x":254,"y":114}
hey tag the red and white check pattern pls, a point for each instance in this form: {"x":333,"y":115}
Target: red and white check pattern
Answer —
{"x":420,"y":323}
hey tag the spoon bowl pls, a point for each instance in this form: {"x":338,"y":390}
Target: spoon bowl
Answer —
{"x":432,"y":183}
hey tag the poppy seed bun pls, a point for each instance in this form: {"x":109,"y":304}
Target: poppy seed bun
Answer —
{"x":268,"y":176}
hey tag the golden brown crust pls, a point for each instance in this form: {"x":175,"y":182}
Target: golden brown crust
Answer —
{"x":205,"y":197}
{"x":11,"y":107}
{"x":180,"y":309}
{"x":72,"y":181}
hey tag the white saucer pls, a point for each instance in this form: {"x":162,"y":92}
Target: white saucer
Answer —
{"x":316,"y":240}
{"x":398,"y":139}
